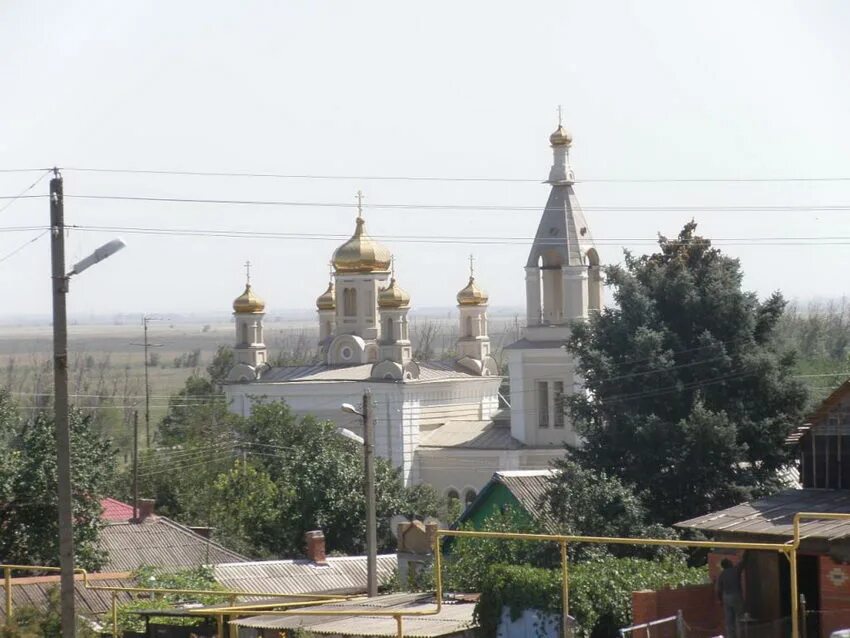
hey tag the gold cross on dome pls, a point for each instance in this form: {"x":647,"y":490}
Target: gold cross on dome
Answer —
{"x":392,"y":265}
{"x":247,"y":272}
{"x":471,"y":265}
{"x":559,"y":116}
{"x":360,"y":203}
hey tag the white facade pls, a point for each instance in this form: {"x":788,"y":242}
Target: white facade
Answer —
{"x":563,"y":283}
{"x":440,"y":422}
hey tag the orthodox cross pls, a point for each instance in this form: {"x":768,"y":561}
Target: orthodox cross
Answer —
{"x":392,"y":265}
{"x":559,"y":116}
{"x":331,"y":270}
{"x":360,"y":203}
{"x":248,"y":272}
{"x":471,"y":265}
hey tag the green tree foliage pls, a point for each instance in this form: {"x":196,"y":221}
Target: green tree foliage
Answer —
{"x":221,"y":364}
{"x":588,"y":502}
{"x":600,"y":591}
{"x":28,"y":507}
{"x":197,"y":413}
{"x":33,"y":621}
{"x":690,"y":396}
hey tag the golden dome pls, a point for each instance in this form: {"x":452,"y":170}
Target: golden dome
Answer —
{"x":248,"y":302}
{"x":561,"y":137}
{"x":393,"y":296}
{"x":361,"y":253}
{"x":327,"y":300}
{"x":472,"y":295}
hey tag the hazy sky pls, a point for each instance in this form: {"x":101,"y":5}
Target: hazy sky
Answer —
{"x":651,"y":90}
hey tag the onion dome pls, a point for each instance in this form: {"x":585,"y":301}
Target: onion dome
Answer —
{"x":248,"y":302}
{"x":327,"y":300}
{"x":561,"y":137}
{"x":472,"y":295}
{"x":361,"y":253}
{"x":393,"y":296}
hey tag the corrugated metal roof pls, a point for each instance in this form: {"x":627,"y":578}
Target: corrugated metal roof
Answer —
{"x":773,"y":515}
{"x":453,"y":618}
{"x":479,"y":435}
{"x":160,"y":542}
{"x":342,"y":575}
{"x":34,"y":591}
{"x":321,"y":372}
{"x":528,"y":487}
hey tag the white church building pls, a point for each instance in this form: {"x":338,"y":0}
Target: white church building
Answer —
{"x":439,"y":421}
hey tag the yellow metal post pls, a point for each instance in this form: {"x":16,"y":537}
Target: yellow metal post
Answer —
{"x":115,"y":614}
{"x":7,"y":583}
{"x":438,"y":571}
{"x":232,"y":629}
{"x":399,"y":626}
{"x":219,"y":622}
{"x":565,"y":591}
{"x":795,"y":621}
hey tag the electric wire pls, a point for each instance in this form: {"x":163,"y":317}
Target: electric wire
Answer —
{"x":23,"y":192}
{"x":22,"y":246}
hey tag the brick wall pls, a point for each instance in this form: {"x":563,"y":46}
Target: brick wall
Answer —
{"x":698,"y":604}
{"x":834,"y":595}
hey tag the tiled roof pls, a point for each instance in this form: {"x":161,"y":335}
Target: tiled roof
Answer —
{"x":322,"y":372}
{"x":34,"y":591}
{"x":454,"y":618}
{"x":342,"y":575}
{"x":478,"y":435}
{"x":528,"y":487}
{"x":774,"y":515}
{"x":160,"y":542}
{"x":114,"y":510}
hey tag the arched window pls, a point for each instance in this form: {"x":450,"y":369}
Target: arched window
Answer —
{"x":594,"y":281}
{"x":389,"y":336}
{"x":452,"y":494}
{"x":470,"y":496}
{"x":245,"y":333}
{"x":469,"y":326}
{"x":349,"y":302}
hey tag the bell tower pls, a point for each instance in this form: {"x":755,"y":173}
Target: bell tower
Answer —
{"x":248,"y":311}
{"x":563,"y":284}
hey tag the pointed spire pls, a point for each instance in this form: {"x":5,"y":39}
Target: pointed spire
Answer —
{"x":560,"y":140}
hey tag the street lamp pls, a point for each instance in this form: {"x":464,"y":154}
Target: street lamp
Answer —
{"x":60,"y":281}
{"x":368,"y":443}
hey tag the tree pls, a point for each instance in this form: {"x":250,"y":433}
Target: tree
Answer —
{"x":198,"y":412}
{"x":222,"y":362}
{"x":689,"y":396}
{"x":588,"y":502}
{"x":28,"y":502}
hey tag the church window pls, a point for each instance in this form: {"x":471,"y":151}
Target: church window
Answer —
{"x":346,"y":353}
{"x":245,"y":333}
{"x":543,"y":404}
{"x":470,"y":496}
{"x":349,"y":302}
{"x":558,"y":407}
{"x":452,"y":494}
{"x":389,"y":336}
{"x":469,"y":326}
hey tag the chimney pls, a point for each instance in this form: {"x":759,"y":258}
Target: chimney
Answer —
{"x":206,"y":532}
{"x":145,"y":509}
{"x":316,"y":547}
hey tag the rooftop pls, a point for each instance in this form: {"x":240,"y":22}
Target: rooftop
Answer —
{"x":479,"y":435}
{"x":160,"y":542}
{"x":454,"y":618}
{"x":322,"y":372}
{"x":114,"y":510}
{"x":341,"y":575}
{"x":774,"y":515}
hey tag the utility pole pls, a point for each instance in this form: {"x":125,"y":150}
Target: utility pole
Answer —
{"x":61,"y":419}
{"x":147,"y":346}
{"x":135,"y":466}
{"x":371,"y":523}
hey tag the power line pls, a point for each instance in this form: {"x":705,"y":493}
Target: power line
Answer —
{"x":427,"y":178}
{"x":24,"y":192}
{"x":463,"y":207}
{"x":22,"y":246}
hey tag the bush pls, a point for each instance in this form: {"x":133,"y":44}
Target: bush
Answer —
{"x":600,"y":591}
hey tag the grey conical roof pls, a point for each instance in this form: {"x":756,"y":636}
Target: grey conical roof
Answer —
{"x":563,"y":236}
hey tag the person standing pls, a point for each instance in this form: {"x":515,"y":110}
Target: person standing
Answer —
{"x":731,"y":594}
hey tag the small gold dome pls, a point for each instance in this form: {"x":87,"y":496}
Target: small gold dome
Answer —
{"x":361,"y":253}
{"x":561,"y":137}
{"x":472,"y":295}
{"x":393,"y":296}
{"x":327,"y":300}
{"x":248,"y":302}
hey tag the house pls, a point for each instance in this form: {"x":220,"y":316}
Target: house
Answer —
{"x":822,"y":562}
{"x":156,"y":541}
{"x":521,"y":491}
{"x":439,"y":421}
